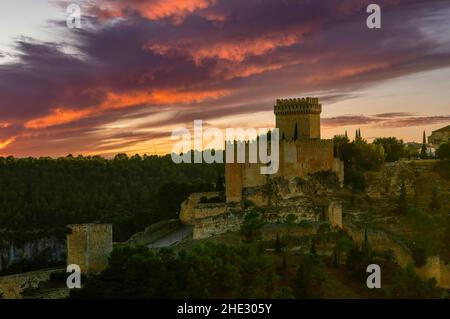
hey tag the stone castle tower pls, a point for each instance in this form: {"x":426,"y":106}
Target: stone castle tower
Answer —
{"x":298,"y":118}
{"x":302,"y":151}
{"x":89,"y":246}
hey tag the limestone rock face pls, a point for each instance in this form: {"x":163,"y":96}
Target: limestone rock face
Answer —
{"x":11,"y":287}
{"x":307,"y":199}
{"x":51,"y":248}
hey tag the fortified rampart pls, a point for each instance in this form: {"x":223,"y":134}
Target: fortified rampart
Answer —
{"x":380,"y":240}
{"x":11,"y":287}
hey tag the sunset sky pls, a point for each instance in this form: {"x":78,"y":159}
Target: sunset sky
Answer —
{"x":137,"y":69}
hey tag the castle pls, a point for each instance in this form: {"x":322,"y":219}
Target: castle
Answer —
{"x":302,"y":153}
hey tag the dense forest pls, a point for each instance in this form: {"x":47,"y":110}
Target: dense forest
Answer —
{"x":246,"y":271}
{"x":45,"y":194}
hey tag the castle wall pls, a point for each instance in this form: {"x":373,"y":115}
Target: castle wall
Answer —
{"x":192,"y":209}
{"x":252,"y":176}
{"x":11,"y":287}
{"x":437,"y":269}
{"x":89,"y":246}
{"x":308,"y":126}
{"x":314,"y":156}
{"x":212,"y":226}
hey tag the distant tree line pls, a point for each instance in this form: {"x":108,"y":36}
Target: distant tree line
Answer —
{"x":130,"y":192}
{"x":360,"y":156}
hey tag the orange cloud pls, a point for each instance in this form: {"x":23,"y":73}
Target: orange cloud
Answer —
{"x":6,"y":142}
{"x":153,"y":10}
{"x":234,"y":51}
{"x":57,"y":117}
{"x":61,"y":115}
{"x":167,"y":97}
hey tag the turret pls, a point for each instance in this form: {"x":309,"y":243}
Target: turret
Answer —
{"x":298,"y":118}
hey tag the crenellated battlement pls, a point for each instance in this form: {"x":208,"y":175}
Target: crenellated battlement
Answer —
{"x":317,"y":142}
{"x":308,"y":105}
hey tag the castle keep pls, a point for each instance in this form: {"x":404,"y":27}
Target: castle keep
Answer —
{"x":292,"y":190}
{"x":302,"y":152}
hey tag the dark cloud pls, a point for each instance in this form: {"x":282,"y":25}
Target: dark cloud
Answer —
{"x":348,"y":120}
{"x":394,"y":114}
{"x":203,"y":59}
{"x":394,"y":120}
{"x":418,"y":120}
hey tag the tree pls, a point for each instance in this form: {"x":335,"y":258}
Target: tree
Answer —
{"x":338,"y":142}
{"x":402,"y":200}
{"x":278,"y":245}
{"x":394,"y":149}
{"x":312,"y":250}
{"x":443,"y":152}
{"x":366,"y":246}
{"x":291,"y":219}
{"x":302,"y":284}
{"x":423,"y":151}
{"x":419,"y":256}
{"x":251,"y":225}
{"x":435,"y":203}
{"x":220,"y":183}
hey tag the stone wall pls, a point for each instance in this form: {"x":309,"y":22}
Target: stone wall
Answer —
{"x":192,"y":209}
{"x":212,"y":226}
{"x":437,"y":269}
{"x":379,"y":240}
{"x":11,"y":287}
{"x":89,"y":246}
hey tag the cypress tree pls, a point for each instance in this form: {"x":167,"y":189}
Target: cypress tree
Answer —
{"x":278,"y":244}
{"x":423,"y":151}
{"x":313,"y":251}
{"x":295,"y":132}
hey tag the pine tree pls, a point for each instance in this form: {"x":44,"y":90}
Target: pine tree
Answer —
{"x":278,"y":244}
{"x":220,"y":182}
{"x":302,"y":287}
{"x":366,"y":246}
{"x":435,"y":203}
{"x":312,"y":250}
{"x":423,"y":151}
